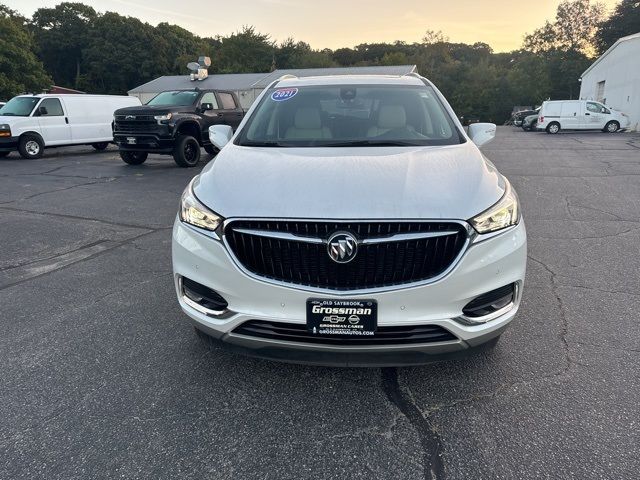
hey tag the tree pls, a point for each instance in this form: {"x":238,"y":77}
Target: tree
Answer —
{"x":20,"y":69}
{"x":12,"y":14}
{"x":574,"y":29}
{"x":345,"y":57}
{"x":394,"y":58}
{"x":433,"y":36}
{"x":183,"y":47}
{"x":625,"y":20}
{"x":61,"y":33}
{"x":246,"y":51}
{"x":121,"y":53}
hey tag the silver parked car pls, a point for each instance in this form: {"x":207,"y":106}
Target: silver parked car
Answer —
{"x":350,"y":220}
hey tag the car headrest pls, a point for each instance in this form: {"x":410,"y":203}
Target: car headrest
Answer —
{"x":392,"y":116}
{"x":307,"y":118}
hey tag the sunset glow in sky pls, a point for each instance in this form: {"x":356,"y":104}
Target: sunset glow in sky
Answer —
{"x":340,"y":23}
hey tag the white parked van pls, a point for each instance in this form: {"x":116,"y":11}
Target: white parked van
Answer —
{"x":31,"y":123}
{"x":556,"y":115}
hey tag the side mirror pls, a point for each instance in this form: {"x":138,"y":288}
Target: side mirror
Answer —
{"x":220,"y":135}
{"x":205,"y":107}
{"x":481,"y":133}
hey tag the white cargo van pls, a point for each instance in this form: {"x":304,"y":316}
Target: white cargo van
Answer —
{"x":556,"y":115}
{"x":31,"y":123}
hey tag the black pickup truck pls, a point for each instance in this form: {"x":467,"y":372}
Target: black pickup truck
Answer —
{"x":174,"y":123}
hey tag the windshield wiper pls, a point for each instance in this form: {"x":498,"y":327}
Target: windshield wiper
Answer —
{"x":266,"y":143}
{"x":372,"y":143}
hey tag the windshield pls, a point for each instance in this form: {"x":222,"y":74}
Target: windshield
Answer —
{"x":350,"y":115}
{"x":19,"y":106}
{"x":175,"y":99}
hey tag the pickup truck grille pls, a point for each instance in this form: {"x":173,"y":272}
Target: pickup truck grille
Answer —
{"x":141,"y":123}
{"x":304,"y":259}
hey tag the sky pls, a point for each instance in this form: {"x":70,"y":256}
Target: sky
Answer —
{"x":339,"y":23}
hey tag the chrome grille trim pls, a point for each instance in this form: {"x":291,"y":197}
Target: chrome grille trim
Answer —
{"x":468,"y":238}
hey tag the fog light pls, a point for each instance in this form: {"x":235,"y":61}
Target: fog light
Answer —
{"x":490,"y":305}
{"x":202,"y":298}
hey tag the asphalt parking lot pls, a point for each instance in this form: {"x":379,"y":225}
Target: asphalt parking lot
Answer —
{"x":103,"y":377}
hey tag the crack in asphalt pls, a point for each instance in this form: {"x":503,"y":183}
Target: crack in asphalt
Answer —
{"x":563,"y":316}
{"x":88,"y":219}
{"x":433,"y":463}
{"x":52,"y":257}
{"x":594,"y":237}
{"x":80,"y":260}
{"x":616,"y":216}
{"x":29,"y":197}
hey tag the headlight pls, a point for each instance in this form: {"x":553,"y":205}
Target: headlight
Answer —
{"x":196,"y":214}
{"x":163,"y":118}
{"x":502,"y":215}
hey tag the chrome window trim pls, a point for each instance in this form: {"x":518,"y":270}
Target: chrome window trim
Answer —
{"x":471,"y":234}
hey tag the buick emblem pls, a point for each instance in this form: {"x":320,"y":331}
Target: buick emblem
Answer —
{"x":130,"y":117}
{"x":342,"y":247}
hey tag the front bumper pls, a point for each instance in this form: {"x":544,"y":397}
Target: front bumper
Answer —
{"x":485,"y":266}
{"x":144,"y":142}
{"x":8,"y":144}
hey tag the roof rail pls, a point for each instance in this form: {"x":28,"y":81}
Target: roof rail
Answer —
{"x":286,"y":76}
{"x":412,"y":74}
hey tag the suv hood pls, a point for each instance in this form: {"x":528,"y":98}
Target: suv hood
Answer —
{"x":152,"y":110}
{"x":449,"y":182}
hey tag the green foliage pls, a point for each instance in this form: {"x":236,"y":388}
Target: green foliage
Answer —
{"x":122,"y":52}
{"x":574,"y":29}
{"x":625,"y":20}
{"x":20,"y":69}
{"x":245,"y":51}
{"x":182,"y":46}
{"x":61,"y":33}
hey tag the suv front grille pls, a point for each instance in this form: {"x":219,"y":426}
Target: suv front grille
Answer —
{"x":296,"y":332}
{"x":382,"y":264}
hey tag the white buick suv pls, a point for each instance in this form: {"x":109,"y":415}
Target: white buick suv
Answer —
{"x":350,"y":220}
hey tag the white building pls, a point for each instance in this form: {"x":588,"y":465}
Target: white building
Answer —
{"x":614,"y":78}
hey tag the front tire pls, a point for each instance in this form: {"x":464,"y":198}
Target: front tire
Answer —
{"x":100,"y":146}
{"x":612,"y":127}
{"x":553,"y":128}
{"x":134,"y":158}
{"x":186,"y":152}
{"x":31,"y":146}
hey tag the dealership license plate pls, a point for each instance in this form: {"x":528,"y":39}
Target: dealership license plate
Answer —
{"x":131,"y":140}
{"x":345,"y":318}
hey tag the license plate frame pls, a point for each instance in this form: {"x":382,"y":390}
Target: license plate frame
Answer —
{"x":346,"y":318}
